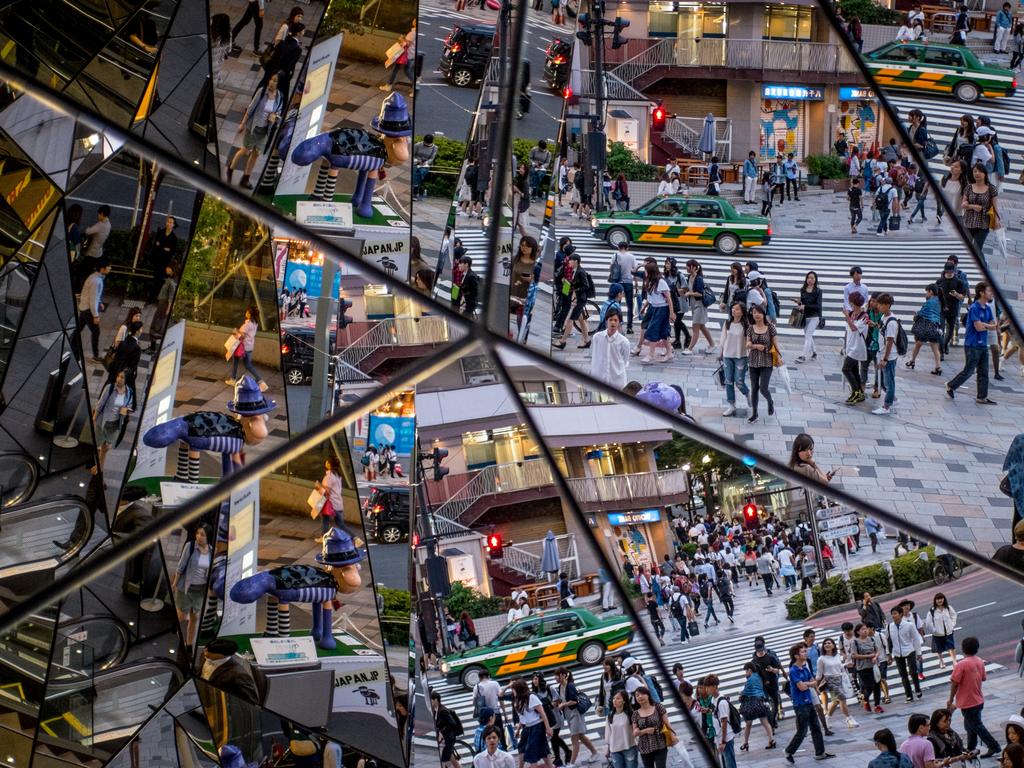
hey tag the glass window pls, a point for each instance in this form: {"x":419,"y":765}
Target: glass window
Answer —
{"x":943,"y":57}
{"x":519,"y":633}
{"x":666,"y":208}
{"x":787,"y":23}
{"x":703,"y":209}
{"x":714,"y":21}
{"x":661,"y":24}
{"x":556,"y":625}
{"x":902,"y":53}
{"x":479,"y":449}
{"x":476,"y":365}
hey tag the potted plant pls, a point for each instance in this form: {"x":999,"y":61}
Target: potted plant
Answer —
{"x":827,"y":170}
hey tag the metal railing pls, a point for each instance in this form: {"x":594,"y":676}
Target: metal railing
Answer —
{"x":396,"y":332}
{"x":615,"y":87}
{"x":766,"y":55}
{"x":685,"y":133}
{"x":646,"y":485}
{"x":497,"y":478}
{"x":585,"y":397}
{"x":525,"y":557}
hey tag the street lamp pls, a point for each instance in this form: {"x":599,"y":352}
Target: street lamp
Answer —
{"x":686,"y":467}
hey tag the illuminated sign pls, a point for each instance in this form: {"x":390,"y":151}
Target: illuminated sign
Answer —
{"x":855,"y":92}
{"x":632,"y":518}
{"x":797,"y":92}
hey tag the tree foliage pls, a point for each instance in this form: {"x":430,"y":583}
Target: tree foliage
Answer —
{"x":461,"y":598}
{"x":869,"y":12}
{"x":621,"y":159}
{"x":213,"y":229}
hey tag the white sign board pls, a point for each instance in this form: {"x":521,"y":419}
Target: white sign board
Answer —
{"x":390,"y":254}
{"x":243,"y":546}
{"x":315,"y":94}
{"x":284,"y":652}
{"x":360,"y":682}
{"x":830,"y":512}
{"x":846,"y":521}
{"x":323,"y":214}
{"x":173,"y":494}
{"x":840,"y":533}
{"x":152,"y":462}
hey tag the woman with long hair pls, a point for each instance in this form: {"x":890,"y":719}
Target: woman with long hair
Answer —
{"x":190,"y":581}
{"x":649,"y":720}
{"x":134,"y":315}
{"x":947,"y":742}
{"x":865,"y":660}
{"x":259,"y":121}
{"x":536,"y":730}
{"x":543,"y":691}
{"x":801,"y":459}
{"x":699,"y":312}
{"x":1013,"y":756}
{"x":331,"y":487}
{"x":810,"y":303}
{"x":676,"y":288}
{"x":733,"y":356}
{"x":940,"y":621}
{"x":963,"y":136}
{"x":754,"y":707}
{"x":246,"y":335}
{"x":979,"y":206}
{"x":890,"y":757}
{"x":735,"y":282}
{"x":619,"y":732}
{"x":927,"y":328}
{"x":831,"y":672}
{"x":952,"y":185}
{"x":760,"y":342}
{"x":294,"y":15}
{"x":658,"y":314}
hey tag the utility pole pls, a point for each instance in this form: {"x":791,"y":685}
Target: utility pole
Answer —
{"x":598,"y":142}
{"x":319,"y":395}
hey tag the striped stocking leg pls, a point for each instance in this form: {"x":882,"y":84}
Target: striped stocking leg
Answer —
{"x":273,"y":608}
{"x":284,"y":621}
{"x":181,"y":472}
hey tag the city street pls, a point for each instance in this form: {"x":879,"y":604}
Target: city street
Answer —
{"x":451,"y":108}
{"x":990,"y":608}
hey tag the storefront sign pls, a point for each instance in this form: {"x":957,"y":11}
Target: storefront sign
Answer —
{"x":634,"y":518}
{"x":794,"y":92}
{"x":855,"y":93}
{"x":399,"y":431}
{"x":323,"y":214}
{"x":284,"y":652}
{"x":152,"y":462}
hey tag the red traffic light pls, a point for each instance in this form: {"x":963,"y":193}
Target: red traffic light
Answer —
{"x":494,"y":540}
{"x":658,"y":118}
{"x":494,"y":546}
{"x":415,"y":540}
{"x":750,"y":519}
{"x":567,"y":93}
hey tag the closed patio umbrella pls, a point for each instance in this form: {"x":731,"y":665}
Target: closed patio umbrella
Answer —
{"x":549,"y":560}
{"x":706,"y":144}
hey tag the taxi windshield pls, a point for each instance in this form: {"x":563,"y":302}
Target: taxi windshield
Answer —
{"x":520,"y":632}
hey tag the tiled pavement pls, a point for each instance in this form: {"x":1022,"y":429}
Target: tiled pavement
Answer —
{"x":355,"y":95}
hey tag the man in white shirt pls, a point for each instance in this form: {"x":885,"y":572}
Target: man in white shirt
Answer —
{"x":724,"y":735}
{"x":904,"y":643}
{"x":90,"y":304}
{"x":492,"y":756}
{"x":610,"y":354}
{"x":672,"y":167}
{"x":854,"y":286}
{"x":888,"y":353}
{"x":488,"y":692}
{"x":627,"y":266}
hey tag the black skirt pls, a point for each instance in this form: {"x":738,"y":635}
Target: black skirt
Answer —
{"x":753,"y":708}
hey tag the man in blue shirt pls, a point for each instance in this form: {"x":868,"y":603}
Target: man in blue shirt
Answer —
{"x":802,"y":689}
{"x":749,"y":177}
{"x":980,"y":320}
{"x":1004,"y":20}
{"x":792,"y":173}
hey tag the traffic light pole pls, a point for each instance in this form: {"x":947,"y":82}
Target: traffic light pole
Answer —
{"x":318,"y":397}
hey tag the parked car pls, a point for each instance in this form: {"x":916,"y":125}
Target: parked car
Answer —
{"x":298,"y":351}
{"x":686,"y":220}
{"x":467,"y":52}
{"x":939,"y":68}
{"x":386,"y":513}
{"x":556,"y":63}
{"x":542,"y":640}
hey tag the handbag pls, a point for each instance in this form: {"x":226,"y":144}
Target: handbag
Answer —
{"x":821,"y":322}
{"x":1004,"y":486}
{"x":776,"y":356}
{"x":894,"y":223}
{"x":266,"y":56}
{"x":477,"y":698}
{"x":670,"y":736}
{"x":316,"y":501}
{"x":877,"y":673}
{"x":615,"y":271}
{"x":108,"y":358}
{"x":796,"y":317}
{"x":392,"y":53}
{"x":692,"y":627}
{"x":719,"y":374}
{"x":230,"y":346}
{"x":931,"y":149}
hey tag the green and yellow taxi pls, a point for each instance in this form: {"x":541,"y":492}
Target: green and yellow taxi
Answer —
{"x":543,"y":640}
{"x":686,"y":220}
{"x":939,"y":68}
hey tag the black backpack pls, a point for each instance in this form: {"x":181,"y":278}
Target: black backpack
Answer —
{"x":588,"y":281}
{"x":901,"y":343}
{"x":882,"y":197}
{"x":740,"y":295}
{"x":705,"y":590}
{"x":677,"y":608}
{"x":734,"y":715}
{"x":920,"y":185}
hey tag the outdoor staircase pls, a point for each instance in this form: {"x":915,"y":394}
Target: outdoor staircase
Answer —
{"x":648,"y":57}
{"x":360,"y":357}
{"x":468,"y":503}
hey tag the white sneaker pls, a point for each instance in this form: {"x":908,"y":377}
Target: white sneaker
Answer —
{"x":851,"y":723}
{"x":881,"y":411}
{"x":730,"y":411}
{"x":686,"y":352}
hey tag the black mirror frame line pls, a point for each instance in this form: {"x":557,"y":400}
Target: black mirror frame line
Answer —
{"x":922,"y":163}
{"x":568,"y":499}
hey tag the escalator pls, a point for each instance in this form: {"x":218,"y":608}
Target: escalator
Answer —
{"x":97,"y":716}
{"x":42,"y":535}
{"x":25,"y":651}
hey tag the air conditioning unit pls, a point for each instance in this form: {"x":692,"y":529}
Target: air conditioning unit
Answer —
{"x":483,"y":378}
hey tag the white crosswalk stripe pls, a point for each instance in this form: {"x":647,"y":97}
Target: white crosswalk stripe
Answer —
{"x":900,"y":267}
{"x":724,"y":658}
{"x":538,"y":23}
{"x":943,"y":114}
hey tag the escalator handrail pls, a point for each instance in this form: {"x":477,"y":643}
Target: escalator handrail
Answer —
{"x":33,"y":471}
{"x":122,"y":631}
{"x":76,"y":546}
{"x":56,"y":690}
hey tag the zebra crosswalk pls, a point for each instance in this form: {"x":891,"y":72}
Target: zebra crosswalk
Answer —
{"x":725,"y":658}
{"x":943,"y":115}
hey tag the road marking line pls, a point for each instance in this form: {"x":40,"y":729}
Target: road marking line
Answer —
{"x":983,"y":605}
{"x":1013,"y":613}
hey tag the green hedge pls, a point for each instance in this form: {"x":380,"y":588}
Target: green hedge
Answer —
{"x":690,"y":548}
{"x":450,"y":155}
{"x":796,"y":607}
{"x":826,"y":166}
{"x":461,"y":598}
{"x":870,"y":578}
{"x":394,"y":617}
{"x":621,"y":159}
{"x":830,"y":593}
{"x":630,"y":587}
{"x":910,"y":569}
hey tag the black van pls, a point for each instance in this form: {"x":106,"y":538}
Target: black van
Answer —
{"x":467,"y":51}
{"x":298,"y":351}
{"x":387,"y":513}
{"x":556,"y":63}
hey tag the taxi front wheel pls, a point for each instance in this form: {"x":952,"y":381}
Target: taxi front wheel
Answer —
{"x":470,"y":677}
{"x":967,"y":92}
{"x":617,"y":236}
{"x":727,"y":243}
{"x":591,"y":653}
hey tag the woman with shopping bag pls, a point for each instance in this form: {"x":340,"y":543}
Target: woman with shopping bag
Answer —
{"x":329,"y":489}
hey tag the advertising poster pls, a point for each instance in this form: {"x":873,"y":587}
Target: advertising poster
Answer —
{"x":243,"y":547}
{"x":399,"y":431}
{"x":152,"y":462}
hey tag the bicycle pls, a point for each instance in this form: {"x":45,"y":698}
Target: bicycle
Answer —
{"x":941,"y":572}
